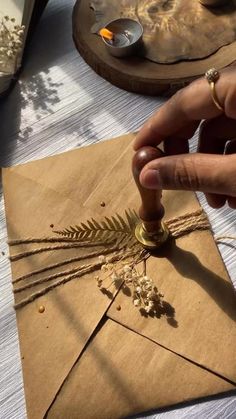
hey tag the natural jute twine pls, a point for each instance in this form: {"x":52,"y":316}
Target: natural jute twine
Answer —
{"x":178,"y":227}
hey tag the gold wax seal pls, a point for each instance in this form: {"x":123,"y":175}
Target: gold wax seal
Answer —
{"x":41,"y":309}
{"x":151,"y":240}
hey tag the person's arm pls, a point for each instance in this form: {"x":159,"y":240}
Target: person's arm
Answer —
{"x":213,"y":169}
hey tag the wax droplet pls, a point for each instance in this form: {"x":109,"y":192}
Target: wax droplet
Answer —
{"x":118,"y":308}
{"x":102,"y":204}
{"x":41,"y":309}
{"x":51,"y":225}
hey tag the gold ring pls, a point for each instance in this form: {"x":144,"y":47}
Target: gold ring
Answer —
{"x":212,"y":76}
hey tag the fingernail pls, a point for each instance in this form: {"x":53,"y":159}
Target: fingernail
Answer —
{"x":151,"y":179}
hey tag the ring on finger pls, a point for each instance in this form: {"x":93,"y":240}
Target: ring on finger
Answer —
{"x":212,"y":75}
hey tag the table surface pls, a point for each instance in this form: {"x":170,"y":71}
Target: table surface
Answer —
{"x":60,"y":104}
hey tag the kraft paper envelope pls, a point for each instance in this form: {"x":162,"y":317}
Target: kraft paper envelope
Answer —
{"x":92,"y":355}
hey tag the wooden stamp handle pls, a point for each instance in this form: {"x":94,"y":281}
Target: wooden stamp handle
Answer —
{"x":151,"y":211}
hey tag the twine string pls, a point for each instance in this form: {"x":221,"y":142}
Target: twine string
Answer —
{"x":16,"y":242}
{"x":219,"y":238}
{"x":123,"y":250}
{"x":188,"y":223}
{"x":49,"y":278}
{"x":64,"y":262}
{"x":79,"y":273}
{"x":62,"y":281}
{"x":25,"y":254}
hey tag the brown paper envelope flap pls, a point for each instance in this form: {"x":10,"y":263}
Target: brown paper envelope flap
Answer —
{"x":122,"y":373}
{"x":120,"y":192}
{"x":199,"y":323}
{"x":52,"y":341}
{"x":20,"y":190}
{"x":190,"y":274}
{"x":75,"y":174}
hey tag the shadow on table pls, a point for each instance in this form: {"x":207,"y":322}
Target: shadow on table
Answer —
{"x":190,"y":267}
{"x":196,"y":404}
{"x":52,"y":46}
{"x":24,"y":95}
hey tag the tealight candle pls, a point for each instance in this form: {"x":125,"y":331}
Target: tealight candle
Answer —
{"x":122,"y":37}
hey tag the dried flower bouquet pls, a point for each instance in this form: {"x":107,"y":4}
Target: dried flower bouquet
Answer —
{"x":11,"y":41}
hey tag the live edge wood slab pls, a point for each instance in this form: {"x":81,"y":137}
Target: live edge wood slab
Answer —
{"x":137,"y":74}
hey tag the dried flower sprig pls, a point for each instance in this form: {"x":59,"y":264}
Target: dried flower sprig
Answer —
{"x":11,"y":40}
{"x":144,"y":293}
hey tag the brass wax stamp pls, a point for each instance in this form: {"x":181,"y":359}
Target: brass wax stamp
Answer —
{"x":151,"y":232}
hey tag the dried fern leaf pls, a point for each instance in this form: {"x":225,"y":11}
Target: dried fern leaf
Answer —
{"x":84,"y":226}
{"x":97,"y":225}
{"x":107,"y":229}
{"x":90,"y":224}
{"x":123,"y":223}
{"x":132,"y":218}
{"x":112,"y":227}
{"x":115,"y":222}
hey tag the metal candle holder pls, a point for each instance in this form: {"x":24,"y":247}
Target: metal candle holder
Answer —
{"x":127,"y":37}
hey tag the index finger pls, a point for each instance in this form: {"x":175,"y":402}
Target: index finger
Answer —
{"x":180,"y":113}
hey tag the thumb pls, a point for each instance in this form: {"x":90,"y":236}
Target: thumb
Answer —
{"x":192,"y":172}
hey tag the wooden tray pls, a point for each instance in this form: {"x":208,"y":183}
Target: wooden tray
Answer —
{"x":137,"y":74}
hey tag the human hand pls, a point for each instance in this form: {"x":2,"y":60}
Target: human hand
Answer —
{"x":213,"y":169}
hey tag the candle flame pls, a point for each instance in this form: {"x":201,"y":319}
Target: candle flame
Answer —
{"x":105,"y":33}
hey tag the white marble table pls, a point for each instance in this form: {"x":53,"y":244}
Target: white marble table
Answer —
{"x":60,"y":104}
